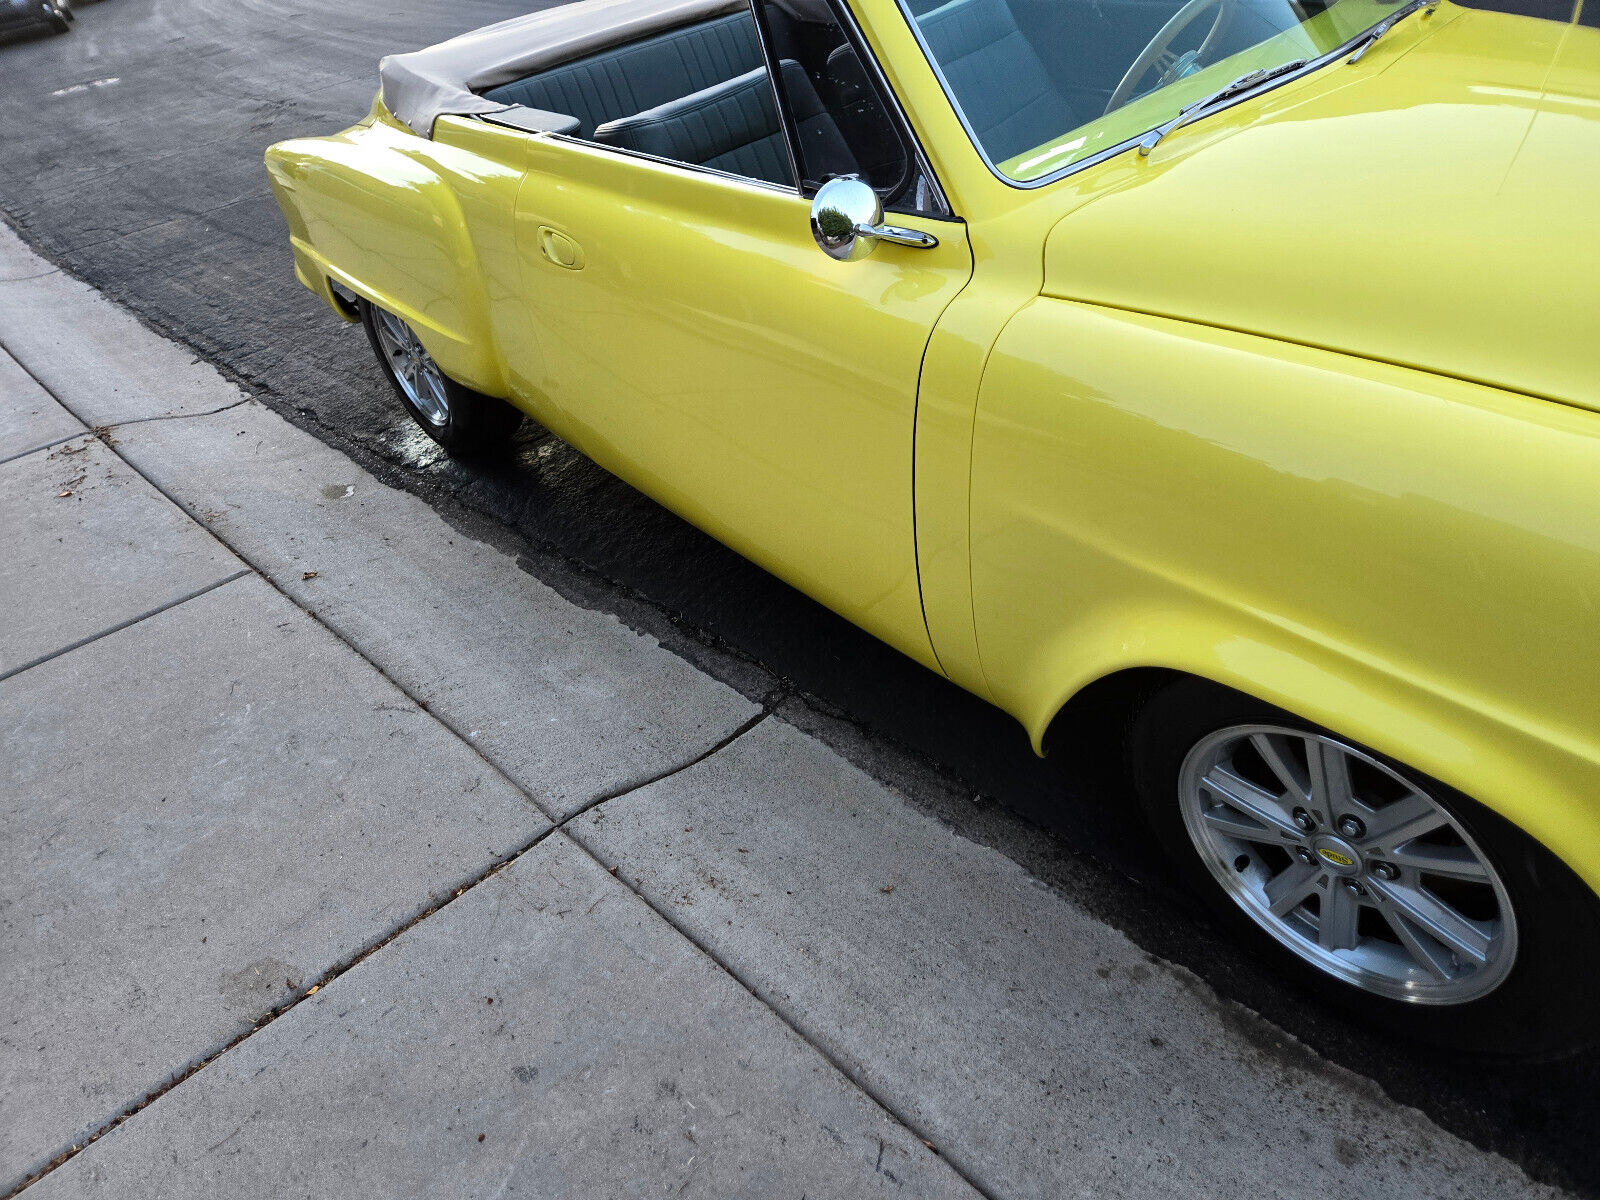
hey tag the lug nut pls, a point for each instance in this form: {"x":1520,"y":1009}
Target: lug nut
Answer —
{"x":1354,"y":888}
{"x":1386,"y":870}
{"x":1303,"y":819}
{"x":1351,"y":826}
{"x":1303,"y":855}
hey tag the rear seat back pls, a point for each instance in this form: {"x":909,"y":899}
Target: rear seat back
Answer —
{"x":734,"y":127}
{"x":629,"y":79}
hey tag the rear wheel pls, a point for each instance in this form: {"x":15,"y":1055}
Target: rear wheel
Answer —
{"x":464,"y":422}
{"x":1393,"y":895}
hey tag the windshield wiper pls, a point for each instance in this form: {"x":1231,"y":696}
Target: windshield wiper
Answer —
{"x":1364,"y":43}
{"x":1191,"y":112}
{"x":1254,"y":79}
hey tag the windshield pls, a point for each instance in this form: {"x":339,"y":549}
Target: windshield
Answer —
{"x":1042,"y":84}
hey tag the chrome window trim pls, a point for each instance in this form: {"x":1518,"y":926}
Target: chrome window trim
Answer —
{"x":1123,"y":147}
{"x":785,"y":119}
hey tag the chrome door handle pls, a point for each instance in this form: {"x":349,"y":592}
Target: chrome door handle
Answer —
{"x":900,"y":237}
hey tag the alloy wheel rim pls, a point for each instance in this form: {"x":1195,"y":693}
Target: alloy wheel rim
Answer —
{"x":413,"y":369}
{"x":1348,"y":864}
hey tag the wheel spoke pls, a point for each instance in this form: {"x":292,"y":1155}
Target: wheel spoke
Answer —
{"x":1330,"y":777}
{"x":1427,"y":953}
{"x":1336,"y":926}
{"x":1404,"y":819}
{"x":1239,"y":793}
{"x":1289,"y":887}
{"x":394,"y":326}
{"x":1438,"y":920}
{"x":1455,"y":862}
{"x":438,"y":404}
{"x":1274,"y":752}
{"x":1238,"y":825}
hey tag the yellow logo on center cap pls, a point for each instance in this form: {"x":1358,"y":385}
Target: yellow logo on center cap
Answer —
{"x":1333,"y":856}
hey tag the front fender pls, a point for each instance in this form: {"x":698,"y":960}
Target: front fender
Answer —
{"x":397,"y":220}
{"x":1411,"y":561}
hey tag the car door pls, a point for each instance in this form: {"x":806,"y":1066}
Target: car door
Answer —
{"x":687,"y":332}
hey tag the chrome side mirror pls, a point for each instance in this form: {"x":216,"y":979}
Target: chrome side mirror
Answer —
{"x":847,"y":221}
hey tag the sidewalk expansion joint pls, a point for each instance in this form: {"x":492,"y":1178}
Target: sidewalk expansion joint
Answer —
{"x":121,"y":625}
{"x":10,"y":458}
{"x":372,"y":947}
{"x":271,"y":1015}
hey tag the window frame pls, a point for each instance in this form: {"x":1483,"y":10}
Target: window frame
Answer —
{"x":938,"y":197}
{"x":916,"y":160}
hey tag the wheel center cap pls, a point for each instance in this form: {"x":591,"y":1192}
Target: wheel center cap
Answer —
{"x":1337,"y":855}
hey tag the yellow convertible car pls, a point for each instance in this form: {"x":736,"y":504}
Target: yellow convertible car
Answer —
{"x":1247,"y":350}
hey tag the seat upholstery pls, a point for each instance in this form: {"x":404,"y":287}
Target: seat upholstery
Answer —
{"x":631,"y":78}
{"x":998,"y":79}
{"x":733,"y":127}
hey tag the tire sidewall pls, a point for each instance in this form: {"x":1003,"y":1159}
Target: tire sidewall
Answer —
{"x":1543,"y":1006}
{"x":439,"y":433}
{"x":476,"y":425}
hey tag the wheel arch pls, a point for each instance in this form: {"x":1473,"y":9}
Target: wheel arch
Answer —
{"x":1530,"y":776}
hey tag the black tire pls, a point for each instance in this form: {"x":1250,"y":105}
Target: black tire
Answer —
{"x":1544,"y":1007}
{"x":475,"y":426}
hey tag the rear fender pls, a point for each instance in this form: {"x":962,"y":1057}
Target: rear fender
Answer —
{"x":390,"y":217}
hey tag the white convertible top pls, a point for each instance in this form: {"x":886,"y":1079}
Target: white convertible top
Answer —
{"x":426,"y":84}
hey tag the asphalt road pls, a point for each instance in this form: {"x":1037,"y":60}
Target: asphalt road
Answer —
{"x":130,"y":152}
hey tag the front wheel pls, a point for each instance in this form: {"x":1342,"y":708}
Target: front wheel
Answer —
{"x":466,"y":423}
{"x":1398,"y":898}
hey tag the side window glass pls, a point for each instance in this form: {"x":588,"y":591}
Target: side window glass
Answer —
{"x":838,"y":122}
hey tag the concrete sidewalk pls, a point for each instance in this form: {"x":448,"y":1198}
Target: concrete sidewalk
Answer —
{"x":342,"y":856}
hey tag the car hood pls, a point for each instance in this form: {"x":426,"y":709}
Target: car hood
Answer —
{"x":1437,"y":207}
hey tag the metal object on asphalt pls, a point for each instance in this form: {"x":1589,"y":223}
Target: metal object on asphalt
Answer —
{"x":413,"y":368}
{"x":18,"y":14}
{"x":1401,"y":903}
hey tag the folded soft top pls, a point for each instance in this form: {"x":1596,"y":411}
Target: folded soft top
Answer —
{"x":426,"y":84}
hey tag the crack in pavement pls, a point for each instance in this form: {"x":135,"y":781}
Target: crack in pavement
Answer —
{"x":210,"y":412}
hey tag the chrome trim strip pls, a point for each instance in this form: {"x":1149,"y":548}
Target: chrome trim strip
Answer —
{"x":785,"y":119}
{"x":1315,"y":64}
